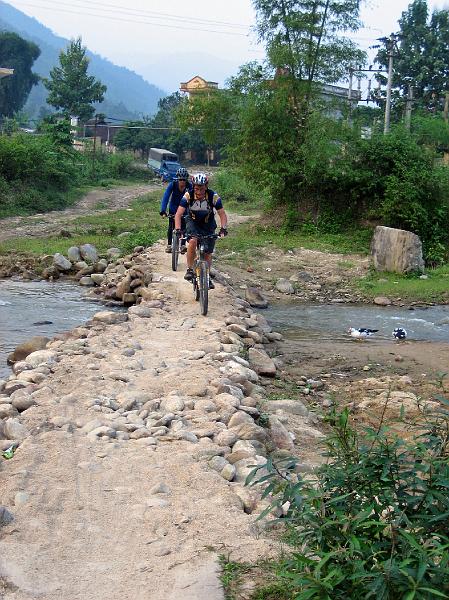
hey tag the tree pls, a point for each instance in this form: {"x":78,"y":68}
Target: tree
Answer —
{"x":422,"y":59}
{"x":71,"y":89}
{"x":18,"y":54}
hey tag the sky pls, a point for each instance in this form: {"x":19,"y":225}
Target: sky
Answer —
{"x":170,"y":42}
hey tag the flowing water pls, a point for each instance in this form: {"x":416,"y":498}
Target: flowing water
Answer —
{"x":331,"y":321}
{"x":39,"y":308}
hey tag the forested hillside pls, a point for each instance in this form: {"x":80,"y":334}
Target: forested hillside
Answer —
{"x":128,"y":94}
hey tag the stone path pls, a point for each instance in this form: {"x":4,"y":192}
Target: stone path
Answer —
{"x":120,"y":489}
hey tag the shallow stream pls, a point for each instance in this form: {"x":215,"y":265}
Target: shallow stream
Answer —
{"x":331,"y":321}
{"x":35,"y":308}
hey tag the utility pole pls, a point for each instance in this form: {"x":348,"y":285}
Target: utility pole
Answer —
{"x":351,"y":75}
{"x":408,"y":108}
{"x":446,"y":108}
{"x":391,"y":44}
{"x":95,"y":145}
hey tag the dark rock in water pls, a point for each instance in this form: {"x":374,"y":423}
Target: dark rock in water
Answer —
{"x":43,"y":323}
{"x":35,"y":343}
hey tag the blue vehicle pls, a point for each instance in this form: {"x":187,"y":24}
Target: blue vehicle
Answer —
{"x":164,"y":163}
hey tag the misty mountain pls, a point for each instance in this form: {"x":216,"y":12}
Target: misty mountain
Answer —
{"x":128,"y":94}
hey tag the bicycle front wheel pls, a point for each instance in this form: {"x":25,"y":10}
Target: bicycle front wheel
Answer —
{"x":204,"y":287}
{"x":174,"y":251}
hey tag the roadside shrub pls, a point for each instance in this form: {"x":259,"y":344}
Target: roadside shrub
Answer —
{"x":234,"y":187}
{"x":373,"y":522}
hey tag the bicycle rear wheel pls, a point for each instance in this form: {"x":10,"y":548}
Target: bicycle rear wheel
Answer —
{"x":175,"y":251}
{"x":204,"y":287}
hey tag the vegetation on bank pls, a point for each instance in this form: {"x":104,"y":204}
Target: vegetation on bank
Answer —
{"x":39,"y":173}
{"x":371,"y":523}
{"x":140,"y":223}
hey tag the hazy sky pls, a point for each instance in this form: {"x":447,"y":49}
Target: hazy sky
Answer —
{"x":169,"y":42}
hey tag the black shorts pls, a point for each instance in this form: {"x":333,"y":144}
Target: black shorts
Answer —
{"x":195,"y":228}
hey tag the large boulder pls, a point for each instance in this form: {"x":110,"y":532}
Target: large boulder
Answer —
{"x":89,"y":253}
{"x":61,"y":262}
{"x":110,"y":317}
{"x":396,"y":250}
{"x":255,"y":298}
{"x":32,"y":345}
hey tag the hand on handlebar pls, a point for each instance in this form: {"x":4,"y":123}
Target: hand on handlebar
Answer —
{"x":223,"y":232}
{"x":163,"y":213}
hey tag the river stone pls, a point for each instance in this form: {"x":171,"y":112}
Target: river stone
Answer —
{"x":261,"y":362}
{"x":89,"y":253}
{"x":238,"y":418}
{"x":26,"y":348}
{"x":86,"y":281}
{"x":225,"y":438}
{"x":228,"y":472}
{"x":23,"y":401}
{"x":109,"y":317}
{"x":81,"y":265}
{"x":112,"y":253}
{"x":382,"y":301}
{"x":251,"y":431}
{"x":40,"y":357}
{"x":129,"y":298}
{"x":97,"y":278}
{"x":396,"y":250}
{"x":123,"y":287}
{"x":14,"y":430}
{"x":61,"y":262}
{"x":294,"y":407}
{"x":255,"y":298}
{"x":284,"y":286}
{"x":7,"y":410}
{"x":279,"y":434}
{"x":73,"y":254}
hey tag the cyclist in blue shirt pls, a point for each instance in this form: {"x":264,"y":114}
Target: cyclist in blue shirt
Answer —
{"x":201,"y":204}
{"x":172,"y":197}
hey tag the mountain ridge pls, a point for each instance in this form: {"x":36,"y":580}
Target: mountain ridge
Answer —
{"x":128,"y":95}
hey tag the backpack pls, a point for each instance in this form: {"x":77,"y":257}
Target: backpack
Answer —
{"x":200,"y":213}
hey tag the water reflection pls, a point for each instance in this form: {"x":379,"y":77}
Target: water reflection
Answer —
{"x":39,"y":308}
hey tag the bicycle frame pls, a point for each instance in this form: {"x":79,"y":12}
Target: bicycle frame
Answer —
{"x":201,"y":274}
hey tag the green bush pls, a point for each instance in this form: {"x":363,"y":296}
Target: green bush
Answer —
{"x":374,"y":520}
{"x":235,"y":188}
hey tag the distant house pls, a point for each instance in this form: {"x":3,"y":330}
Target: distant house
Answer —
{"x":198,"y":85}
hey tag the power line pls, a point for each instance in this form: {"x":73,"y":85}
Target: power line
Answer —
{"x":121,"y":19}
{"x":159,"y":15}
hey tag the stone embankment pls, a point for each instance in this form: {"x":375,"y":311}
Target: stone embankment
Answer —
{"x":133,"y":436}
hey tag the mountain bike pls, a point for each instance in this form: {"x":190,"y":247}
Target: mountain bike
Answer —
{"x":201,"y":273}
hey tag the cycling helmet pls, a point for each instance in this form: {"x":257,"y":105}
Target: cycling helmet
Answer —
{"x":200,"y":179}
{"x":182,"y":173}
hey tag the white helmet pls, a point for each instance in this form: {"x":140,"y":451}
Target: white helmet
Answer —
{"x":200,"y":179}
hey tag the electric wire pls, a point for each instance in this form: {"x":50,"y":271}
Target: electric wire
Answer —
{"x":121,"y":19}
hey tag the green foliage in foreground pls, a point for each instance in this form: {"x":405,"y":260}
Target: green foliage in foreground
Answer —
{"x":408,"y":287}
{"x":40,"y":173}
{"x":373,"y":522}
{"x":238,"y":193}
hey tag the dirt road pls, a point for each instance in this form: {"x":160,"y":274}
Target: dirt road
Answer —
{"x":93,"y":514}
{"x":45,"y":224}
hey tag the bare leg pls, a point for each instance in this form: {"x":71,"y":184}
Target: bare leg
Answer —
{"x":191,"y":250}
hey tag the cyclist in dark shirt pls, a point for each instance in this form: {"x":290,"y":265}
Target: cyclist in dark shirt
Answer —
{"x":172,"y":197}
{"x":201,"y":204}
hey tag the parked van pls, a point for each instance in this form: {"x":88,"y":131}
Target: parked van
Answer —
{"x":164,"y":163}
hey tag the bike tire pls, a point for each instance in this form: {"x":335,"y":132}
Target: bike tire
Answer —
{"x":196,"y":289}
{"x":204,"y":287}
{"x":174,"y":251}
